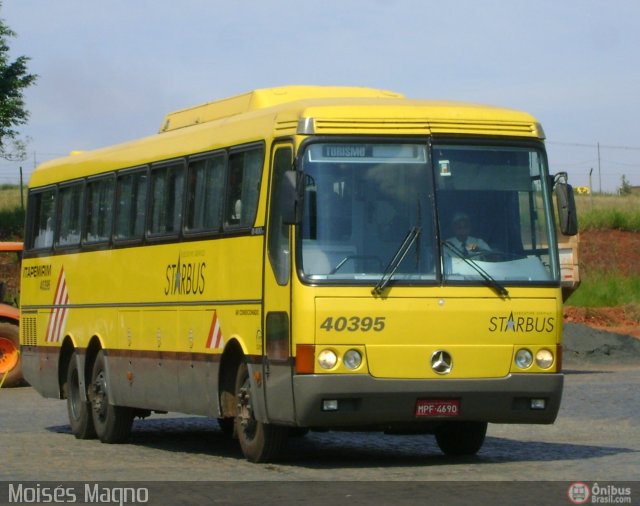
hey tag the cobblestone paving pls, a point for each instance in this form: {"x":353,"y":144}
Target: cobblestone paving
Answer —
{"x":596,"y":437}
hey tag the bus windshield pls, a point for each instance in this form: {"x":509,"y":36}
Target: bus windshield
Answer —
{"x":452,"y":214}
{"x":361,"y":201}
{"x":494,"y":214}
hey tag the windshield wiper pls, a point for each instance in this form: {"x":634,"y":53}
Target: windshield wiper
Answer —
{"x":500,"y":290}
{"x":397,"y":259}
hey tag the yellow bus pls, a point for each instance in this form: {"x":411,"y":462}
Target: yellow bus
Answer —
{"x":302,"y":258}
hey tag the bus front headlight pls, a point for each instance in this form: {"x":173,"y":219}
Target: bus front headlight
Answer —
{"x":524,"y":358}
{"x":544,"y":359}
{"x":327,"y":359}
{"x":352,"y":359}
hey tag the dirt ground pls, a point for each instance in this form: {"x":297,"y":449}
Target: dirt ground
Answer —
{"x":610,"y":250}
{"x":616,"y":251}
{"x":611,"y":319}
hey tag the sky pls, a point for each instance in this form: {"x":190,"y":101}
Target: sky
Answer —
{"x":110,"y":70}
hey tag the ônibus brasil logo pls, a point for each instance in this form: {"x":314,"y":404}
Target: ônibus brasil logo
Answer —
{"x":579,"y":492}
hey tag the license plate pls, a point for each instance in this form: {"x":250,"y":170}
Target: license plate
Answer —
{"x":438,"y":407}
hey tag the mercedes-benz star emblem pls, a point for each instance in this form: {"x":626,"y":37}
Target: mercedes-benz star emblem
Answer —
{"x":441,"y":362}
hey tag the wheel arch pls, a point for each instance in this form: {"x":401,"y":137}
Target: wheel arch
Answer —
{"x":64,"y":359}
{"x":85,"y":364}
{"x":230,"y":359}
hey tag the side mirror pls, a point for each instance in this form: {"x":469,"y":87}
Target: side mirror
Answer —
{"x":290,"y":197}
{"x":566,"y":208}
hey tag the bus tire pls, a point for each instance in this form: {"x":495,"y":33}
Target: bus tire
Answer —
{"x":112,"y":423}
{"x":10,"y":369}
{"x":260,"y":442}
{"x":227,"y":426}
{"x":461,"y":438}
{"x":79,"y":411}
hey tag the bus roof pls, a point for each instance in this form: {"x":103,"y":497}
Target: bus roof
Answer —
{"x":287,"y":111}
{"x":262,"y":99}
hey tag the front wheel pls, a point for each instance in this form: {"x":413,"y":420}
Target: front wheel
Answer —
{"x":79,"y":411}
{"x":112,"y":423}
{"x":260,"y":442}
{"x":461,"y":438}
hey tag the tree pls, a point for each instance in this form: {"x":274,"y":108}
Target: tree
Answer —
{"x":14,"y":79}
{"x":625,"y":187}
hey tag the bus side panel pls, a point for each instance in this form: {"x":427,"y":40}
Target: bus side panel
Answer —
{"x":151,"y":369}
{"x":165,"y":382}
{"x":39,"y":359}
{"x":169,"y":360}
{"x":197,"y":372}
{"x":198,"y":385}
{"x":40,"y":369}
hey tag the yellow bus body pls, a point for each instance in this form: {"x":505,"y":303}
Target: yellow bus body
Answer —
{"x":175,"y":315}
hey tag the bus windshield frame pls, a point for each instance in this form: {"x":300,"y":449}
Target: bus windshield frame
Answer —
{"x":383,"y":212}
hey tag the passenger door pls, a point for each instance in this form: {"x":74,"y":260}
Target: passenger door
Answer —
{"x":277,"y":362}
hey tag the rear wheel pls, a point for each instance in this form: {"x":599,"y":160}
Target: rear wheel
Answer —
{"x":10,"y":369}
{"x":79,"y":411}
{"x":260,"y":442}
{"x":112,"y":423}
{"x":461,"y":438}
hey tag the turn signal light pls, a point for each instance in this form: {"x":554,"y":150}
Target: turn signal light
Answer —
{"x":305,"y":358}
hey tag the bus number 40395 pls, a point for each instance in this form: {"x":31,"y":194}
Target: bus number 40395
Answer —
{"x":354,"y":323}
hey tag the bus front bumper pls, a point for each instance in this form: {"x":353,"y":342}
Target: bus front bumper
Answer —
{"x":361,"y":401}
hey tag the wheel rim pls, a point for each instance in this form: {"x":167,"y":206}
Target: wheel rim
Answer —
{"x":248,"y":423}
{"x":9,"y":355}
{"x":100,"y":396}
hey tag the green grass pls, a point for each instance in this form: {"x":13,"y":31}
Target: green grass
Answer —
{"x":11,"y":213}
{"x":601,"y":212}
{"x":604,"y":289}
{"x":10,"y":197}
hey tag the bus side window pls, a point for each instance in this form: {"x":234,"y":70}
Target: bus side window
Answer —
{"x":42,"y":218}
{"x":69,"y":214}
{"x":204,"y":194}
{"x":243,"y":187}
{"x":167,"y":189}
{"x":131,"y":201}
{"x":100,"y":194}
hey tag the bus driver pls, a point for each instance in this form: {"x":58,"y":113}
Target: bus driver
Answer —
{"x":462,"y":241}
